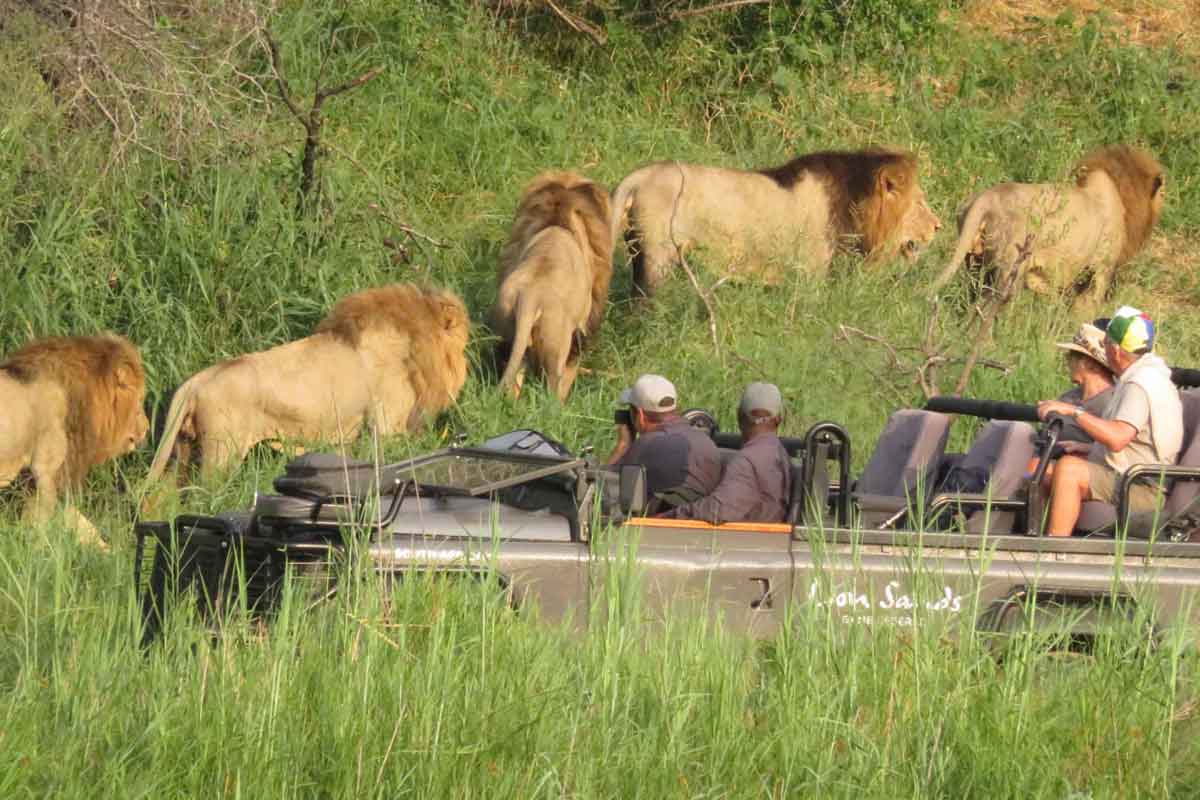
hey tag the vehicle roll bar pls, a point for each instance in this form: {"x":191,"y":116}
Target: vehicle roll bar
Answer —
{"x":822,"y":441}
{"x":988,"y":409}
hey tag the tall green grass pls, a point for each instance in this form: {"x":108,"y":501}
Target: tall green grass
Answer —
{"x":433,"y":688}
{"x":439,"y":691}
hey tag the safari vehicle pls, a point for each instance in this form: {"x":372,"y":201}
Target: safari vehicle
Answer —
{"x":884,"y":549}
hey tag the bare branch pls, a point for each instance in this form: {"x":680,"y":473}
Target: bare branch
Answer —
{"x":312,"y":121}
{"x":1005,"y":289}
{"x":726,"y":6}
{"x":285,"y":91}
{"x":579,"y":24}
{"x":366,"y":77}
{"x":703,"y":295}
{"x":403,"y":227}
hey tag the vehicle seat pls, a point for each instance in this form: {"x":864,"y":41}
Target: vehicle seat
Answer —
{"x":905,"y":458}
{"x":1099,"y":518}
{"x":1002,"y":451}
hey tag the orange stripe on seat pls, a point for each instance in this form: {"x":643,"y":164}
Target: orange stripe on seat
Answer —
{"x":700,"y":525}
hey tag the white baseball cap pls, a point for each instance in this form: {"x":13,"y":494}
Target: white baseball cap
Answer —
{"x":651,"y":393}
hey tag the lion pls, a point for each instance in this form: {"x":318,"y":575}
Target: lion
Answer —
{"x":70,"y":403}
{"x":555,"y":271}
{"x":1056,"y":235}
{"x":764,"y":222}
{"x":384,"y":357}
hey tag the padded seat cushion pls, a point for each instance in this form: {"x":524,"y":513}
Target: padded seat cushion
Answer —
{"x":906,"y":454}
{"x":1002,"y":450}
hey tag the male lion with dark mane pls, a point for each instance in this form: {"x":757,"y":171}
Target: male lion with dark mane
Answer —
{"x":1063,"y":232}
{"x":554,"y":275}
{"x":768,"y":221}
{"x":69,"y":403}
{"x":384,"y":357}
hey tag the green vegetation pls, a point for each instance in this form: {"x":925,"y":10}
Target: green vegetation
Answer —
{"x":182,"y":233}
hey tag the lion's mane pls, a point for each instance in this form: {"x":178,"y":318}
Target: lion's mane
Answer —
{"x":104,"y":383}
{"x":435,"y":321}
{"x":854,"y":182}
{"x":1138,"y":177}
{"x":567,"y":200}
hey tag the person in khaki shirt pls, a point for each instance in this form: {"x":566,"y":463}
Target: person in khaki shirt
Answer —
{"x":1142,"y":424}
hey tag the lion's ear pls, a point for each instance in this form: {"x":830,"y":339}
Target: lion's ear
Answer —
{"x":1157,"y":185}
{"x":124,"y":376}
{"x":450,"y":315}
{"x":892,"y":178}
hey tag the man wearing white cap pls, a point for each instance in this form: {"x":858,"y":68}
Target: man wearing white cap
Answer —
{"x":682,"y":463}
{"x":1143,"y":424}
{"x":757,"y":483}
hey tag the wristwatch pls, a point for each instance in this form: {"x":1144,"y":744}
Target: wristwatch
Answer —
{"x":1079,"y":411}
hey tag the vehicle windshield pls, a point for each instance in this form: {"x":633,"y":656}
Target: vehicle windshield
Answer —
{"x":475,"y":472}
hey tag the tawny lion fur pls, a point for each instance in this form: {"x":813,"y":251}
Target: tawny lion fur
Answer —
{"x":1096,"y":225}
{"x":384,"y":357}
{"x":555,"y":271}
{"x":767,"y":222}
{"x":69,"y":404}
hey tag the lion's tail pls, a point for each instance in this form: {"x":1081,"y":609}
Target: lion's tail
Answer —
{"x":622,"y":200}
{"x":969,"y":227}
{"x":525,"y":318}
{"x":183,"y":405}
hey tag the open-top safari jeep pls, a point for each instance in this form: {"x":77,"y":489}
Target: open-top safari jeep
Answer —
{"x":885,"y":548}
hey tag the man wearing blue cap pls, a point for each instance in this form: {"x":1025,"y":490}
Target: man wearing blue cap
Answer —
{"x":1143,"y":424}
{"x":682,"y":463}
{"x":756,"y":485}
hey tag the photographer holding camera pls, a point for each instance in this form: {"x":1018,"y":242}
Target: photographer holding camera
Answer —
{"x":682,"y":463}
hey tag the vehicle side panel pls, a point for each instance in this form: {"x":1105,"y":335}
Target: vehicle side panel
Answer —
{"x":549,"y":576}
{"x":743,"y":579}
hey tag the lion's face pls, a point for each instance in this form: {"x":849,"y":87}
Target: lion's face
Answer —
{"x":132,"y":425}
{"x":918,"y":227}
{"x":139,"y":426}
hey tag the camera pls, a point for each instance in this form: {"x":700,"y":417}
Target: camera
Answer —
{"x":622,"y":416}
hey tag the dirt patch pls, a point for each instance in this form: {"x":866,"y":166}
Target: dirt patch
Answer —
{"x":1150,"y":23}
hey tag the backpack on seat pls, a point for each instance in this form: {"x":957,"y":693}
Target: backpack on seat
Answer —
{"x":991,"y":470}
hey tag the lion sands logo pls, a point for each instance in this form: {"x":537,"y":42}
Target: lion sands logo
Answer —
{"x":896,"y":598}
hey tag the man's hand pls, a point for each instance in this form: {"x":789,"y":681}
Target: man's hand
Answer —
{"x":1048,"y":407}
{"x":1076,"y":448}
{"x":625,"y":436}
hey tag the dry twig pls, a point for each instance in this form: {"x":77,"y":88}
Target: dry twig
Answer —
{"x":403,"y":227}
{"x":703,"y":295}
{"x":1005,"y":289}
{"x":579,"y":24}
{"x":726,"y":6}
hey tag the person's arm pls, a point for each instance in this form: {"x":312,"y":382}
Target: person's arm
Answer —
{"x":1113,"y":434}
{"x":733,"y":499}
{"x":625,"y":440}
